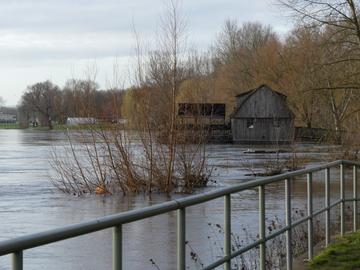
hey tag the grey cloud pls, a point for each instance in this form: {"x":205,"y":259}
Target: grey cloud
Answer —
{"x":73,"y":16}
{"x":42,"y":34}
{"x":35,"y":47}
{"x":34,"y":30}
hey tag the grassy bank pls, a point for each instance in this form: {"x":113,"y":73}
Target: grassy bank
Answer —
{"x":342,"y":255}
{"x":9,"y":126}
{"x":78,"y":127}
{"x":55,"y":127}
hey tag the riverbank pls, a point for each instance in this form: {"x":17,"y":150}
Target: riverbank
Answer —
{"x":44,"y":128}
{"x":9,"y":126}
{"x":343,"y":254}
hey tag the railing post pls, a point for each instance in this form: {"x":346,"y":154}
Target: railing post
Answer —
{"x":181,"y":248}
{"x":117,"y":247}
{"x":342,"y":203}
{"x":227,"y":230}
{"x":327,"y":205}
{"x":288,"y":223}
{"x":355,"y":198}
{"x":262,"y":227}
{"x":17,"y":260}
{"x":310,"y":216}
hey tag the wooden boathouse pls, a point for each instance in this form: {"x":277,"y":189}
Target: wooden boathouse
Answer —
{"x":262,"y":115}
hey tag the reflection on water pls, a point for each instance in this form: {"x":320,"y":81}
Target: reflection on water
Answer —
{"x":29,"y":203}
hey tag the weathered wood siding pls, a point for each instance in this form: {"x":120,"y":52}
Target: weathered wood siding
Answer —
{"x":271,"y":117}
{"x":264,"y":103}
{"x":263,"y":131}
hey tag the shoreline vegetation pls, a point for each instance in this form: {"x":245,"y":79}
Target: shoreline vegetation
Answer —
{"x":343,"y":254}
{"x":108,"y":159}
{"x":315,"y":66}
{"x":158,"y":158}
{"x":10,"y":126}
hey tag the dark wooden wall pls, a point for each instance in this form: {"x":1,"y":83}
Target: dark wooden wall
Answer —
{"x":273,"y":120}
{"x":263,"y":131}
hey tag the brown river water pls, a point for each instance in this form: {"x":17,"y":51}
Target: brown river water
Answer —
{"x":29,"y":203}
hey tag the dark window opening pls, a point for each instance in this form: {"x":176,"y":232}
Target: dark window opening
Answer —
{"x":250,"y":123}
{"x":215,"y":110}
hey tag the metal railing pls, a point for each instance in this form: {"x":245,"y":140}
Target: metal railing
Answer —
{"x":18,"y":245}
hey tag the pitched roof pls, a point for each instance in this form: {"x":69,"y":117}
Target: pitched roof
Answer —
{"x":249,"y":93}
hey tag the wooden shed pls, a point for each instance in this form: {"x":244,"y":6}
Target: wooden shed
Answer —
{"x":205,"y":114}
{"x":206,"y":118}
{"x":262,"y":116}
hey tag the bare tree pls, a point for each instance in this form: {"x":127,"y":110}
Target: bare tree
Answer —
{"x":43,"y":98}
{"x":340,"y":14}
{"x":299,"y":56}
{"x":245,"y":56}
{"x":337,"y":21}
{"x":338,"y":18}
{"x":235,"y":39}
{"x":173,"y":29}
{"x":156,"y":156}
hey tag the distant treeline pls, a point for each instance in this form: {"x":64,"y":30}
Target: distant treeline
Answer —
{"x":316,"y":65}
{"x":47,"y":103}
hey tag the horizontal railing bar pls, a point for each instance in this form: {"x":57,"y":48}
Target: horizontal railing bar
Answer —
{"x":233,"y":255}
{"x":197,"y":199}
{"x":275,"y":234}
{"x":299,"y":221}
{"x":322,"y":210}
{"x":304,"y":219}
{"x":50,"y":236}
{"x":267,"y":238}
{"x":217,"y":263}
{"x":254,"y":244}
{"x":352,"y":200}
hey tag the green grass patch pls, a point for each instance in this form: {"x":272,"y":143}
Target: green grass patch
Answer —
{"x":103,"y":126}
{"x":77,"y":127}
{"x":60,"y":127}
{"x":9,"y":126}
{"x":344,"y":254}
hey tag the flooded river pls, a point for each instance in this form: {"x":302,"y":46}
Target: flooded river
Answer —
{"x":29,"y":203}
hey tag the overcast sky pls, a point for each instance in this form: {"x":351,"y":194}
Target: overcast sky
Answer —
{"x":59,"y":39}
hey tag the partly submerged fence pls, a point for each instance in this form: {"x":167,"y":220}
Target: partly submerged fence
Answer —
{"x":18,"y":245}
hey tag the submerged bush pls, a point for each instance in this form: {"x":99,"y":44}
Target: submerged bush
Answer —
{"x":109,"y":159}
